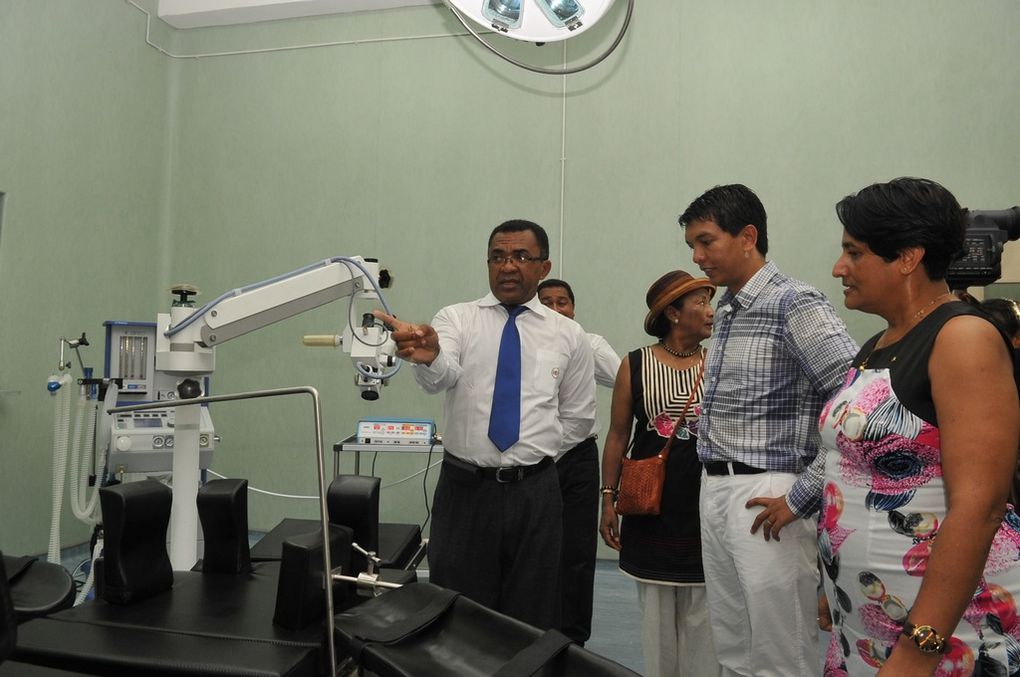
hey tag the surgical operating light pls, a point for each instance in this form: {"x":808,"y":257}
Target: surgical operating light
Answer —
{"x":538,"y":21}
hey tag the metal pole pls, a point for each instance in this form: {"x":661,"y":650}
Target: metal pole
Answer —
{"x":321,"y":466}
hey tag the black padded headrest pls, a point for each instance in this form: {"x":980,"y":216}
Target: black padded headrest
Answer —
{"x":135,"y":520}
{"x":223,"y":511}
{"x":353,"y":501}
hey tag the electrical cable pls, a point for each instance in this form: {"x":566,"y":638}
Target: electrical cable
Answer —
{"x":315,"y":498}
{"x":424,"y":487}
{"x":267,"y":493}
{"x":550,"y":71}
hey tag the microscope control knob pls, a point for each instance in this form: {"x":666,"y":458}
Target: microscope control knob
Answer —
{"x":123,"y":443}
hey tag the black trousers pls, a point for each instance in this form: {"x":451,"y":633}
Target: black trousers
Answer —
{"x":578,"y":470}
{"x":499,"y":544}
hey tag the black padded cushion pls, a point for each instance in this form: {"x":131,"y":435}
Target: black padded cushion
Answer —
{"x":269,"y":548}
{"x":468,"y":640}
{"x":135,"y":561}
{"x":300,"y":598}
{"x":353,"y":501}
{"x":223,"y":511}
{"x":397,"y":542}
{"x":128,"y":652}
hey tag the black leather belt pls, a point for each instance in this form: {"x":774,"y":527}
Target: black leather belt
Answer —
{"x":731,"y":468}
{"x":504,"y":474}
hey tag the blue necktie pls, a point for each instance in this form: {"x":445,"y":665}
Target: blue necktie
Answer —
{"x":505,"y":417}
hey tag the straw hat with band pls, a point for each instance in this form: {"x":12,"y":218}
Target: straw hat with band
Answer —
{"x":668,"y":289}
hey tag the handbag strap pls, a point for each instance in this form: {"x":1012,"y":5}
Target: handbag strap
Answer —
{"x":664,"y":454}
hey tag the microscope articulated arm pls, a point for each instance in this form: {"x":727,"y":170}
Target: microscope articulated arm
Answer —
{"x":186,"y":337}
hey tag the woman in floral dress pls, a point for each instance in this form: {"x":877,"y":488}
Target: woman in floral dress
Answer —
{"x":920,"y":551}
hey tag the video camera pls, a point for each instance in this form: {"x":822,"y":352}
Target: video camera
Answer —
{"x":987,"y":233}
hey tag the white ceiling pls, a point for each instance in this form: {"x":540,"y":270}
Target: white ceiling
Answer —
{"x":198,"y":13}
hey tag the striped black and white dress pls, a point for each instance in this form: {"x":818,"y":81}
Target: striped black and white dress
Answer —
{"x":665,"y":548}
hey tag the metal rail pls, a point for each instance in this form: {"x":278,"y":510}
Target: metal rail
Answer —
{"x":321,"y":467}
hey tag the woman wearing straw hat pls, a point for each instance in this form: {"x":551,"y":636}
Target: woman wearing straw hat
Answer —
{"x":658,"y":391}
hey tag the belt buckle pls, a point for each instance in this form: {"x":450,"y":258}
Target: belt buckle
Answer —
{"x":516,"y":475}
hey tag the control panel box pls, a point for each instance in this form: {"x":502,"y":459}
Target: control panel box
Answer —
{"x":143,"y":441}
{"x":396,"y":431}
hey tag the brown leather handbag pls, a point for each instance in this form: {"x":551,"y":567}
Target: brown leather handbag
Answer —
{"x":641,"y":481}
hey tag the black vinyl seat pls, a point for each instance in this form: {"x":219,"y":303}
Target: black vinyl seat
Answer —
{"x":423,"y":629}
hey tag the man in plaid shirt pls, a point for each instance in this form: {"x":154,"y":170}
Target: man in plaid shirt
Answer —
{"x":779,"y":350}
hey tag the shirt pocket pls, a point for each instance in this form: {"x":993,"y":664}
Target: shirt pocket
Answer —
{"x":549,"y":368}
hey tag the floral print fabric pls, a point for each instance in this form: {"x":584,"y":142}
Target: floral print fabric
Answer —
{"x":883,"y":502}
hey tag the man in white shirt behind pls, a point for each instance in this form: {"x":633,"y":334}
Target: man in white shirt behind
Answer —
{"x":497,"y":511}
{"x":578,"y":468}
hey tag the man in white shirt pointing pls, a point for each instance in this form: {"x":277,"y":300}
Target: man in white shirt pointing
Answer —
{"x":517,"y":378}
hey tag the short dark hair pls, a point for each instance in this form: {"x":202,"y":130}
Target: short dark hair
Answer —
{"x":1004,"y":313}
{"x":907,"y":212}
{"x":519,"y":225}
{"x":552,"y":281}
{"x":732,"y":207}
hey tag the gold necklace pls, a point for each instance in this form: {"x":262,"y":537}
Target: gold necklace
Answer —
{"x":914,"y":319}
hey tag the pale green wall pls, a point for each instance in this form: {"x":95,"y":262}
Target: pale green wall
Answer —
{"x":226,"y":170}
{"x":84,"y":162}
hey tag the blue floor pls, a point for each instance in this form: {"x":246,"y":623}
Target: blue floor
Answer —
{"x":616,"y":622}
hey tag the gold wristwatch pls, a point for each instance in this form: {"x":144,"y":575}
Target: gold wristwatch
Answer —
{"x":927,"y":639}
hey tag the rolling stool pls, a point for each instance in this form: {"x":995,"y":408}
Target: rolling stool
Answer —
{"x":37,"y":588}
{"x":9,"y":621}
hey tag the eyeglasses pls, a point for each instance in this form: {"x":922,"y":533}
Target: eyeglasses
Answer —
{"x":517,"y":258}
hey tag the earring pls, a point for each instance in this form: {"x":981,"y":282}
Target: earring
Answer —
{"x":676,"y":321}
{"x":747,"y":254}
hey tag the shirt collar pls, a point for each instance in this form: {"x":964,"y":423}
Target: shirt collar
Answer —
{"x":752,"y":289}
{"x":532,"y":304}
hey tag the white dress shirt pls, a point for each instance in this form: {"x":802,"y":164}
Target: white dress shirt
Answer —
{"x":557,"y":388}
{"x":607,"y":362}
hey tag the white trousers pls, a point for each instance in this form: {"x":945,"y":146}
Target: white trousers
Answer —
{"x":675,"y":633}
{"x":762,"y":596}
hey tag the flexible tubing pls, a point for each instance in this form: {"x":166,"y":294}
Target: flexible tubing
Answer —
{"x":75,"y":458}
{"x":81,"y":505}
{"x":86,"y":588}
{"x":61,"y":425}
